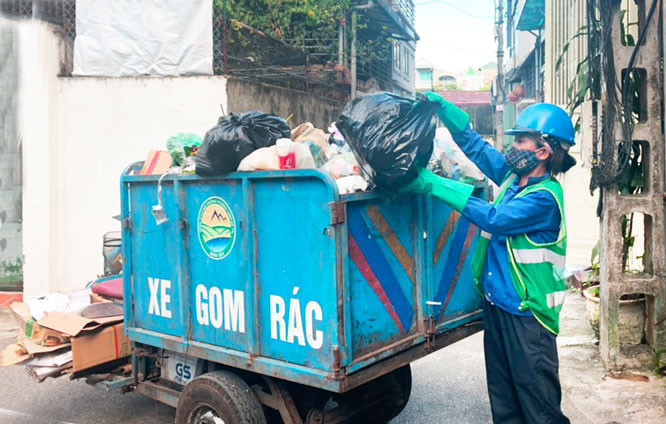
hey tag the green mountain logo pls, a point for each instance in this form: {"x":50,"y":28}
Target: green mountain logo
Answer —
{"x":216,"y":227}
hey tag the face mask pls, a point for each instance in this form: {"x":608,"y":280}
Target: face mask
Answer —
{"x":521,"y":162}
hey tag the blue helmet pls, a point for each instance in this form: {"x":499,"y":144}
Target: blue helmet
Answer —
{"x":545,"y":120}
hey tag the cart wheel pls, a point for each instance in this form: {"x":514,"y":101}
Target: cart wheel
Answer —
{"x":394,"y":388}
{"x":219,"y":397}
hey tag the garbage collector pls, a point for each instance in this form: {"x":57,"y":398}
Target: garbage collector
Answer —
{"x":519,"y":262}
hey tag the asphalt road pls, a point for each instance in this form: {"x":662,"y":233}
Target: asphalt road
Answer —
{"x":448,"y":387}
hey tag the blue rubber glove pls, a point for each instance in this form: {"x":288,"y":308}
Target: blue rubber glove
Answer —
{"x":455,"y":193}
{"x":452,"y":116}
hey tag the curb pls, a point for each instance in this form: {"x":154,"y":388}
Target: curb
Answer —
{"x":6,"y":298}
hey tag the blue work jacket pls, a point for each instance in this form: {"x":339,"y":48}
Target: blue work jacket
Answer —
{"x":535,"y":214}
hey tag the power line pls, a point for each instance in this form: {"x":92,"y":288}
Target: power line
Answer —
{"x":464,"y":12}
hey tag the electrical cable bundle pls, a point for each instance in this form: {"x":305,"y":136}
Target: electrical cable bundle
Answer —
{"x":605,"y":170}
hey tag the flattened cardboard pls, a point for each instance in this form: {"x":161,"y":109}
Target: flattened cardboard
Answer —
{"x":34,"y":349}
{"x":71,"y":324}
{"x":93,"y":348}
{"x":12,"y":355}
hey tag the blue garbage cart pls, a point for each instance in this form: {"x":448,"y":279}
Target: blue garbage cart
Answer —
{"x":268,"y":296}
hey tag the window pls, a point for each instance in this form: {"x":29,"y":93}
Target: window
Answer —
{"x":405,"y":62}
{"x":396,"y":55}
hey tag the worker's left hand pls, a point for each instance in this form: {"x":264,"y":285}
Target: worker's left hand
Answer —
{"x":455,"y":193}
{"x":452,"y":116}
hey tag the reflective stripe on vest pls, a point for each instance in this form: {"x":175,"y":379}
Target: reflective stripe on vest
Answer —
{"x":556,"y":298}
{"x":537,"y":256}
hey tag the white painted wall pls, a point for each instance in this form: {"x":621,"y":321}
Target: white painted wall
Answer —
{"x":38,"y":64}
{"x":580,"y":210}
{"x":106,"y":124}
{"x":78,"y":136}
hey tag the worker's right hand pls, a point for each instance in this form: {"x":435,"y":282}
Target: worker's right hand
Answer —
{"x":452,"y":116}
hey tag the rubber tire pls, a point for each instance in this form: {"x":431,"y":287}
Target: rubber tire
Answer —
{"x":396,"y":387}
{"x":225,"y":393}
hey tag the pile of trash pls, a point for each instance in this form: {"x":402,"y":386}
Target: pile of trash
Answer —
{"x":380,"y":140}
{"x":76,"y":335}
{"x":449,"y":161}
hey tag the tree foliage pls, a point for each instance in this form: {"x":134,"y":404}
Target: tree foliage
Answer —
{"x":293,"y":21}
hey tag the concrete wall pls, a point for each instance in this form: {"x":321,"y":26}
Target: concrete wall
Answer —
{"x":78,"y":135}
{"x":246,"y":95}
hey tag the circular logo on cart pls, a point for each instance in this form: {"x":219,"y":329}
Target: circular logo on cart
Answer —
{"x":217,"y":228}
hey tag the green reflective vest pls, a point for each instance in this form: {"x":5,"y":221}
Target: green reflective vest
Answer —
{"x":537,"y":269}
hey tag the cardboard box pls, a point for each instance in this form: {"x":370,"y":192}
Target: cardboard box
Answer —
{"x":94,"y":348}
{"x":57,"y":328}
{"x":157,"y":163}
{"x":45,"y":336}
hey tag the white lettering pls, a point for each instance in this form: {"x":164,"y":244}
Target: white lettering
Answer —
{"x":295,"y":329}
{"x":216,"y":307}
{"x":277,"y":317}
{"x":202,"y":310}
{"x":165,"y":298}
{"x":209,"y":302}
{"x":153,"y":305}
{"x":234,"y":312}
{"x":313,"y":312}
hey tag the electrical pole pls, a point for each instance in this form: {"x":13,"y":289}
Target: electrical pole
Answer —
{"x":499,"y":88}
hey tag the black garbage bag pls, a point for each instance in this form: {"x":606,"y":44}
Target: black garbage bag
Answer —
{"x":234,"y":137}
{"x":391,"y":136}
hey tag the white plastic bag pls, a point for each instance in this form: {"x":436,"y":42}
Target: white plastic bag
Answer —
{"x":351,"y":184}
{"x":266,"y":159}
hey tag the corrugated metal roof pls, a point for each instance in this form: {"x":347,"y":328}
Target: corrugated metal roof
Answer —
{"x":466,"y":98}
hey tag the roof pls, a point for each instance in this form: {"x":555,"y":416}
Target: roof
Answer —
{"x":422,"y":63}
{"x":466,"y":98}
{"x":470,"y":71}
{"x":531,"y":17}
